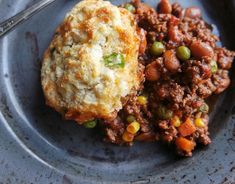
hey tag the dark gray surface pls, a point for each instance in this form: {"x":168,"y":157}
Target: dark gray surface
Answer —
{"x":37,"y":146}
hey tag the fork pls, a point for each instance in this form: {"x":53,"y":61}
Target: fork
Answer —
{"x":8,"y":25}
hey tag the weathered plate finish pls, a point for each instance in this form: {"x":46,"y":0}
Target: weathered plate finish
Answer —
{"x":37,"y":146}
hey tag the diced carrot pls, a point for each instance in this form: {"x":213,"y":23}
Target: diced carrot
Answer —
{"x":184,"y":144}
{"x":187,"y":128}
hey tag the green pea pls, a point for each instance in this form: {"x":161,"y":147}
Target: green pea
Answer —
{"x":204,"y":108}
{"x":90,"y":124}
{"x":183,"y":53}
{"x":130,"y":7}
{"x":214,"y":66}
{"x":157,"y":49}
{"x":164,"y":113}
{"x":130,"y":119}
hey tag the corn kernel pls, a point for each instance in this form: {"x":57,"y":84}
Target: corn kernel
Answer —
{"x":142,"y":100}
{"x":127,"y":137}
{"x":133,"y":127}
{"x":199,"y":123}
{"x":176,"y":121}
{"x":130,"y":118}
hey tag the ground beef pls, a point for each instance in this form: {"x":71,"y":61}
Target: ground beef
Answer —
{"x":224,"y":58}
{"x":221,"y":80}
{"x":176,"y":89}
{"x":205,"y":88}
{"x":170,"y":91}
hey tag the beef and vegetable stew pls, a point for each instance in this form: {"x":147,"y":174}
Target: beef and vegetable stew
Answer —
{"x":181,"y":66}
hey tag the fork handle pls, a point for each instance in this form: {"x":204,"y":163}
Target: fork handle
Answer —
{"x":12,"y":22}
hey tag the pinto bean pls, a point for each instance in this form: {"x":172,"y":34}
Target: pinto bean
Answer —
{"x":170,"y":61}
{"x":193,"y":12}
{"x":151,"y":72}
{"x":201,"y":49}
{"x":165,"y":7}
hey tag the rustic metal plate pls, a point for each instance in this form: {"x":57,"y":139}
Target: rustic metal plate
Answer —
{"x":37,"y":146}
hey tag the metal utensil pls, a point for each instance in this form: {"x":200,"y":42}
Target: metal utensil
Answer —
{"x":12,"y":22}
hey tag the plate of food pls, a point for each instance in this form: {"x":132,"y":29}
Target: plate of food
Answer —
{"x":100,"y":91}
